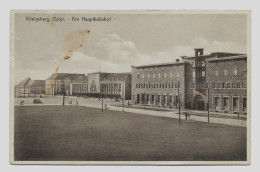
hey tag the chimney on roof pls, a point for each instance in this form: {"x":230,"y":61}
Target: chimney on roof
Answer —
{"x":198,"y":52}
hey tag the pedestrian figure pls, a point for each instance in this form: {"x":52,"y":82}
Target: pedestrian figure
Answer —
{"x":77,"y":102}
{"x":128,"y":103}
{"x":21,"y":102}
{"x":186,"y":114}
{"x":105,"y":106}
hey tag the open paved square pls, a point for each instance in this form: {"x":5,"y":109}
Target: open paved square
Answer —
{"x":76,"y":133}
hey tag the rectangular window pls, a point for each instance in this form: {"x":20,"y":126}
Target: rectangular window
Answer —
{"x":143,"y":75}
{"x":243,"y":85}
{"x":245,"y":71}
{"x":164,"y":75}
{"x":238,"y":84}
{"x":153,"y":75}
{"x":228,"y":85}
{"x":223,"y":85}
{"x":225,"y":72}
{"x":178,"y":74}
{"x":234,"y":85}
{"x":219,"y":85}
{"x":193,"y":74}
{"x":216,"y":73}
{"x":217,"y":102}
{"x":159,"y":75}
{"x":193,"y":64}
{"x":148,"y":75}
{"x":171,"y":75}
{"x":235,"y":72}
{"x":202,"y":63}
{"x":214,"y":85}
{"x":226,"y":102}
{"x":166,"y":85}
{"x":203,"y":73}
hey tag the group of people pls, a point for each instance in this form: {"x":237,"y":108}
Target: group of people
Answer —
{"x":22,"y":102}
{"x":70,"y":102}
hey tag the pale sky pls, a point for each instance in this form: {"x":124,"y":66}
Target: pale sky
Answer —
{"x":128,"y":39}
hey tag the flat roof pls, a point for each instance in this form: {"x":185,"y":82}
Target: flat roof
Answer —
{"x":211,"y":54}
{"x":228,"y":58}
{"x":109,"y":73}
{"x":160,"y":64}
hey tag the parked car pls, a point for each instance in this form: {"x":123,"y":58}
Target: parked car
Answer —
{"x":37,"y":101}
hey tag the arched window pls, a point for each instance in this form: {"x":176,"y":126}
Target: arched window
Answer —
{"x":93,"y":87}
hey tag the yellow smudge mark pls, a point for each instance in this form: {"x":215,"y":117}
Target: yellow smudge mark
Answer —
{"x":73,"y":42}
{"x":66,"y":57}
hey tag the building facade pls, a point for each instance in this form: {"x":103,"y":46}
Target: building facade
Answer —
{"x":110,"y":85}
{"x":59,"y":83}
{"x":160,"y":85}
{"x":79,"y":87}
{"x":29,"y":88}
{"x":157,"y":85}
{"x":22,"y":89}
{"x":227,"y":82}
{"x":37,"y":87}
{"x":197,"y":82}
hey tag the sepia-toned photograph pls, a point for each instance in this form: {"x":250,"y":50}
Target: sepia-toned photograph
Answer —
{"x":130,"y":87}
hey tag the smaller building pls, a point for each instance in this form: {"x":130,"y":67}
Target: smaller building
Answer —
{"x":59,"y":83}
{"x":37,"y":87}
{"x":22,"y":89}
{"x":29,"y":88}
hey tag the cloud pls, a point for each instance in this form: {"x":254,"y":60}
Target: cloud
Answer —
{"x":114,"y":54}
{"x":114,"y":49}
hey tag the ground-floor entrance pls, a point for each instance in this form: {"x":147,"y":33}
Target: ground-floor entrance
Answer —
{"x":199,"y":103}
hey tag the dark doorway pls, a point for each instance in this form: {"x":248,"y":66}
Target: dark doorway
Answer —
{"x":199,"y":103}
{"x":138,"y":98}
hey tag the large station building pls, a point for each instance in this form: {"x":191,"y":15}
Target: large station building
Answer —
{"x":157,"y":84}
{"x":110,"y":85}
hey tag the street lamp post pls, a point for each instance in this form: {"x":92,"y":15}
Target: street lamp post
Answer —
{"x":208,"y":103}
{"x":102,"y":95}
{"x":179,"y":102}
{"x":63,"y":102}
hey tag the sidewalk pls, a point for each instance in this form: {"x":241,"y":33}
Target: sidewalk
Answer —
{"x":174,"y":114}
{"x":169,"y":114}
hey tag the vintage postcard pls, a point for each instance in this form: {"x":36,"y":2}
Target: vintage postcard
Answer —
{"x":130,"y":87}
